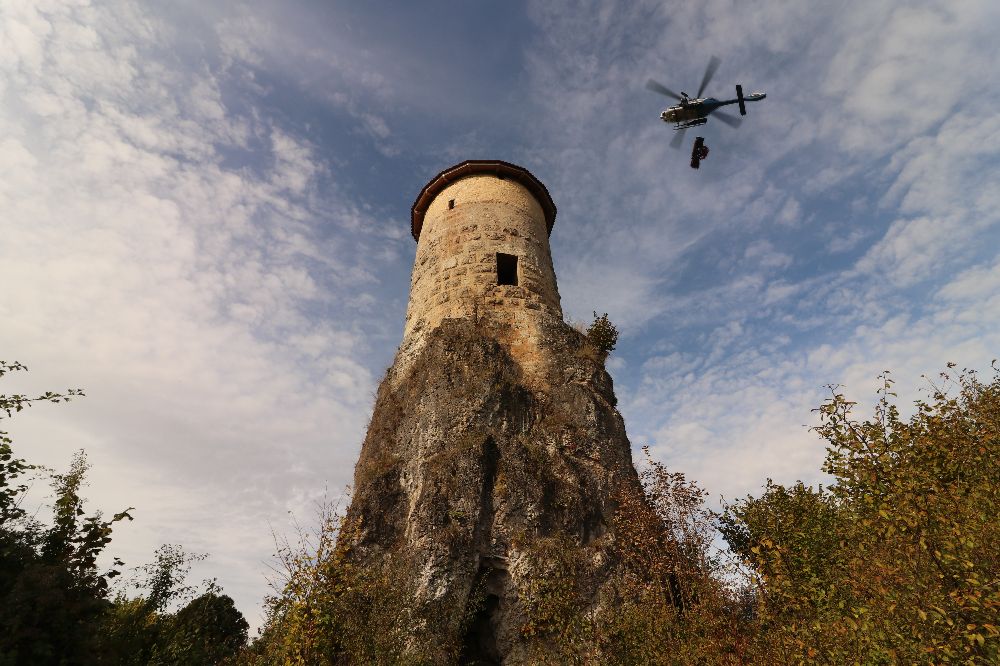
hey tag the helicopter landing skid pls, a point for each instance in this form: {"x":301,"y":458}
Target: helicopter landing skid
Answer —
{"x":690,"y":123}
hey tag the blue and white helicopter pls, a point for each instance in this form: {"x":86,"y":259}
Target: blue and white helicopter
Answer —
{"x":692,"y":112}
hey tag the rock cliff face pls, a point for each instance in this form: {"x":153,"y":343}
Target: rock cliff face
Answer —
{"x":489,"y":495}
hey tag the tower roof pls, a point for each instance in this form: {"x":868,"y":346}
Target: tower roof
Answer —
{"x":476,"y":167}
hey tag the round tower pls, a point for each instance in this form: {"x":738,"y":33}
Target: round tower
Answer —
{"x":482,"y":230}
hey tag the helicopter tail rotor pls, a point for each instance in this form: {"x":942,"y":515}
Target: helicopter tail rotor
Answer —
{"x":739,"y":97}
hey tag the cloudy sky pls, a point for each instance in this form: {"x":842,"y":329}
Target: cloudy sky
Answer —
{"x":204,"y":224}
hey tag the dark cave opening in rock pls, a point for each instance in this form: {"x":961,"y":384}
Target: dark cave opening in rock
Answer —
{"x":479,"y":647}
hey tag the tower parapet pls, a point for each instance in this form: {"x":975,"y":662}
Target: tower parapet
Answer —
{"x":482,"y":230}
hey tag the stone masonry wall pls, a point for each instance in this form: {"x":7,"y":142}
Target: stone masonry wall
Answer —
{"x":455,"y":270}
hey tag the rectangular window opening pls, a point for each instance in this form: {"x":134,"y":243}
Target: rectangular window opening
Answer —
{"x":506,"y":269}
{"x":451,"y":204}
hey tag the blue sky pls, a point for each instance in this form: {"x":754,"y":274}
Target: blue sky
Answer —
{"x":204,"y":223}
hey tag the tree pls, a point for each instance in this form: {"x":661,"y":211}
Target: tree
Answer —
{"x":54,"y":605}
{"x":603,"y":334}
{"x":52,"y":594}
{"x":790,"y":541}
{"x":137,"y":628}
{"x":671,"y":604}
{"x":897,"y":561}
{"x":208,"y":630}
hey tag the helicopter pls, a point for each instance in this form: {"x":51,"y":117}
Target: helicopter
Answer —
{"x":692,"y":112}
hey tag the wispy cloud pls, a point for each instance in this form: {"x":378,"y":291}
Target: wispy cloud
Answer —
{"x":792,"y":260}
{"x":209,"y":310}
{"x":204,"y":224}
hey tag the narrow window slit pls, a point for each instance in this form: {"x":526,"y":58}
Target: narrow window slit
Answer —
{"x":451,"y":204}
{"x":506,"y":269}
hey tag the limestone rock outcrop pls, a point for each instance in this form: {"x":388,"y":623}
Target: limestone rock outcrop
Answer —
{"x":482,"y":490}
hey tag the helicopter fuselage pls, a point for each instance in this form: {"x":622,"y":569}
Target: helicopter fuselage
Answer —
{"x":695,"y":111}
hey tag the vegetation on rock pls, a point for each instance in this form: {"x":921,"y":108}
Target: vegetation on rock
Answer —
{"x":603,"y":334}
{"x":895,"y":562}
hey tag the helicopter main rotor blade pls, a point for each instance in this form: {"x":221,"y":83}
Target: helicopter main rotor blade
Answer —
{"x":678,"y":139}
{"x":662,"y":89}
{"x":713,"y":65}
{"x":732,"y":121}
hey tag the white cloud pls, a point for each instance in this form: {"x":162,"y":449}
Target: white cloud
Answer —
{"x":173,"y":289}
{"x":191,"y":261}
{"x":771,"y":257}
{"x":791,"y":213}
{"x":945,"y":193}
{"x":762,"y":254}
{"x":843,"y":243}
{"x":903,"y":69}
{"x":981,"y":283}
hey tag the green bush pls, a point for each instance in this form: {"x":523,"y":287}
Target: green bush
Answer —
{"x":603,"y":334}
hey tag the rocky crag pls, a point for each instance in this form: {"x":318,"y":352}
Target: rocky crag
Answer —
{"x":491,"y":498}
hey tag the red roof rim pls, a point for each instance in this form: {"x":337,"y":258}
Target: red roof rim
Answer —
{"x":475,"y":167}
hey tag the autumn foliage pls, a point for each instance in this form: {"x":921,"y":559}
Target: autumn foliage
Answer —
{"x":897,"y":561}
{"x":894,"y":562}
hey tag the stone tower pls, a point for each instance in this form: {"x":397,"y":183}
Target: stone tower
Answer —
{"x":485,"y":493}
{"x":482,"y":230}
